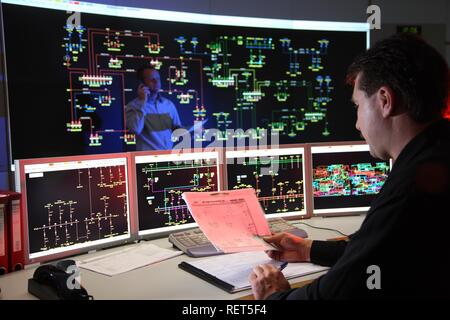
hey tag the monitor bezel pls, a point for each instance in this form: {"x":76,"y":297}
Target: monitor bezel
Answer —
{"x":155,"y":233}
{"x":175,"y":16}
{"x":345,"y":211}
{"x":291,"y":215}
{"x":20,"y":181}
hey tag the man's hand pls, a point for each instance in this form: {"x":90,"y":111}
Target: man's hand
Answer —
{"x":267,"y":279}
{"x":292,"y":248}
{"x":143,"y":92}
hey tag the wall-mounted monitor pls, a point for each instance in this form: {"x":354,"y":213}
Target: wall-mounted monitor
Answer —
{"x":71,"y":69}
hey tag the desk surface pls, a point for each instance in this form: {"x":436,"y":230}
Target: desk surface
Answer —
{"x":164,"y":280}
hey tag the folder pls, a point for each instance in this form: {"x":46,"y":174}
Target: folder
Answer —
{"x":4,"y":256}
{"x":14,"y":216}
{"x":208,"y":277}
{"x":230,"y":272}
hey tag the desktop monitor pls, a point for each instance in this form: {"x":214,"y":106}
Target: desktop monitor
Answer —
{"x":345,"y":178}
{"x":277,"y":175}
{"x":160,"y":180}
{"x":73,"y":204}
{"x":79,"y":60}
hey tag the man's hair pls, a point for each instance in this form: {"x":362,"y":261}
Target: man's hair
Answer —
{"x":141,"y":70}
{"x":414,"y":70}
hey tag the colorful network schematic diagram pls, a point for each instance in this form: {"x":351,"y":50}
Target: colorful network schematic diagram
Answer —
{"x":160,"y":186}
{"x":68,"y":207}
{"x":281,"y":190}
{"x":356,"y":179}
{"x":244,"y":83}
{"x":243,"y":65}
{"x":94,"y":59}
{"x":100,"y":64}
{"x":247,"y":81}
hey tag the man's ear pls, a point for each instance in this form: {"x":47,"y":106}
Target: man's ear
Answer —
{"x":386,"y":97}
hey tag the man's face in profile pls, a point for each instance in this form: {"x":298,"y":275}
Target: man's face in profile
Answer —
{"x":369,"y":119}
{"x":151,"y":80}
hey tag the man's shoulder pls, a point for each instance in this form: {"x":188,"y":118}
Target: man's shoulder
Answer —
{"x":168,"y":104}
{"x":429,"y":157}
{"x":166,"y":100}
{"x":133,"y":103}
{"x":430,"y":145}
{"x":438,"y":142}
{"x":162,"y":97}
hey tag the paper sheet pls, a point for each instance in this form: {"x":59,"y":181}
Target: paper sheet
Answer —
{"x":128,"y":259}
{"x":232,"y":220}
{"x":235,"y":268}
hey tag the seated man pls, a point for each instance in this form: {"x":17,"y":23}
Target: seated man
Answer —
{"x":150,"y":116}
{"x":401,"y":250}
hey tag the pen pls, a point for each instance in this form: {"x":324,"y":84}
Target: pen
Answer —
{"x":283,"y":265}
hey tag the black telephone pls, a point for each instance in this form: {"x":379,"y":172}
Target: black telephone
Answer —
{"x":50,"y":282}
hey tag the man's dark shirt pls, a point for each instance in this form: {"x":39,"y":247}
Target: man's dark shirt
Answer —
{"x":405,"y":233}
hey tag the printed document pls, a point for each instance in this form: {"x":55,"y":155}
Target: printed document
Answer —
{"x":128,"y":259}
{"x":232,"y":220}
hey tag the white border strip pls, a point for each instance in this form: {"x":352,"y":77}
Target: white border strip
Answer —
{"x":263,"y":152}
{"x":177,"y":16}
{"x":341,"y":210}
{"x":177,"y":157}
{"x":347,"y":148}
{"x":73,"y":165}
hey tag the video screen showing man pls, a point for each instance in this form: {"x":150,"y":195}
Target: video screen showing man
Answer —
{"x":150,"y":116}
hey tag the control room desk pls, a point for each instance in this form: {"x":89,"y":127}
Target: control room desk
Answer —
{"x":164,"y":280}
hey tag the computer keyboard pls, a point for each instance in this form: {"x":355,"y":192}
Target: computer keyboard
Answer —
{"x":195,"y":244}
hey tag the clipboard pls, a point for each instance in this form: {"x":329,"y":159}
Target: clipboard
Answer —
{"x":230,"y":272}
{"x":210,"y":278}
